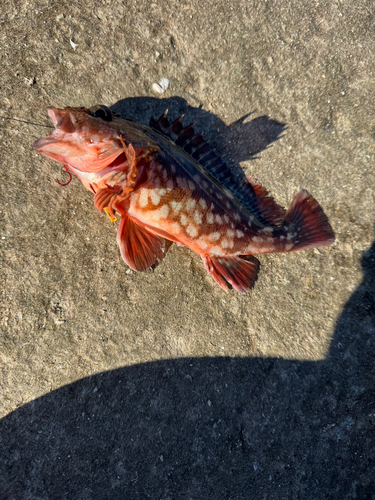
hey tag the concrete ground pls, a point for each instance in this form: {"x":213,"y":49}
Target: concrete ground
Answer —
{"x":115,"y":384}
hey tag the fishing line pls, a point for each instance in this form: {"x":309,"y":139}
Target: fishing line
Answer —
{"x":29,"y":123}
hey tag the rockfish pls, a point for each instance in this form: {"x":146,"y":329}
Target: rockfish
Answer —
{"x":166,"y":183}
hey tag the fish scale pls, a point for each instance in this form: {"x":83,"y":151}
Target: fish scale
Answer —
{"x":166,"y":183}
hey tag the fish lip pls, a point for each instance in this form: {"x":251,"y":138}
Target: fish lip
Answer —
{"x":44,"y":141}
{"x":56,"y":115}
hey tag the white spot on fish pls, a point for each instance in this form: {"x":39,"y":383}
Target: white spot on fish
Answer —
{"x":196,"y":178}
{"x":175,"y":226}
{"x":204,"y":184}
{"x":214,"y":236}
{"x":94,"y":138}
{"x":203,"y":203}
{"x":176,"y":206}
{"x":226,"y":218}
{"x":239,"y":233}
{"x":236,"y":216}
{"x":202,"y":243}
{"x":228,"y":204}
{"x":269,"y":239}
{"x":164,"y":211}
{"x":191,"y":185}
{"x":162,"y":192}
{"x":220,"y":196}
{"x":192,"y":230}
{"x":181,"y":182}
{"x":173,"y":168}
{"x":289,"y":246}
{"x":134,"y":198}
{"x":184,"y":219}
{"x":231,"y":243}
{"x":282,"y":237}
{"x":218,"y":219}
{"x":230,"y":233}
{"x":266,"y":230}
{"x":170,"y":185}
{"x":216,"y":250}
{"x":143,"y":199}
{"x":225,"y":243}
{"x":161,"y":213}
{"x":210,"y":217}
{"x":190,"y":204}
{"x":289,"y":236}
{"x":155,"y":198}
{"x":257,"y":239}
{"x":197,"y":217}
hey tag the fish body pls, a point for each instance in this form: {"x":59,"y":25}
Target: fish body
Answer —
{"x":167,"y":184}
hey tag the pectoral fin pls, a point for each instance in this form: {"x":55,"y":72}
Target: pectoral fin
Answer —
{"x":139,"y":248}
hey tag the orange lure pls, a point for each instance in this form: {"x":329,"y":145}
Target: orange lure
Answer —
{"x":167,"y":184}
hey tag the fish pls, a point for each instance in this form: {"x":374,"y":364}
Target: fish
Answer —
{"x":168,"y":185}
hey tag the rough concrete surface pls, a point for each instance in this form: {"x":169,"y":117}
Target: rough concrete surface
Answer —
{"x":158,"y":385}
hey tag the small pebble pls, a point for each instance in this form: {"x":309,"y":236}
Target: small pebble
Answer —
{"x":161,"y":87}
{"x":30,"y":81}
{"x":74,"y":45}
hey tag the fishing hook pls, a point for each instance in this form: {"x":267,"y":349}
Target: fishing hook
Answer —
{"x":70,"y":175}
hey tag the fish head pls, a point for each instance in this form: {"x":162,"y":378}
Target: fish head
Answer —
{"x":83,"y":139}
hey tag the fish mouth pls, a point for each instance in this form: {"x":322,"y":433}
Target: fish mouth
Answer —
{"x":62,"y":121}
{"x":79,"y":140}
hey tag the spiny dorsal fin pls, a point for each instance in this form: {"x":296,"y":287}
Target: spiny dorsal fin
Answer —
{"x":252,"y":196}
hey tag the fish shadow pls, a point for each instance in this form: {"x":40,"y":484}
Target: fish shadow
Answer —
{"x":208,"y":428}
{"x":238,"y":142}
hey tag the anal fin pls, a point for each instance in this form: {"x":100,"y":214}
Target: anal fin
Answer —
{"x":240,"y":272}
{"x":139,"y":248}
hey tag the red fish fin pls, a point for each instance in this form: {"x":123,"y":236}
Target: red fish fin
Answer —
{"x":132,"y":161}
{"x":308,"y":223}
{"x":268,"y":208}
{"x":109,"y":200}
{"x":240,"y":272}
{"x":139,"y":248}
{"x":103,"y":197}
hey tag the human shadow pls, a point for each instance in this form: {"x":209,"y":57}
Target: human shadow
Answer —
{"x":211,"y":428}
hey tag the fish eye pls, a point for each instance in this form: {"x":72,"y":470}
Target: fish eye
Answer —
{"x":102,"y":112}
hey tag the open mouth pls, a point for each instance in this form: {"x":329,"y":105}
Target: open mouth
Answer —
{"x":78,"y":142}
{"x":62,"y":124}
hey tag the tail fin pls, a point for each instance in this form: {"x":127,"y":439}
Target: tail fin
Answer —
{"x":308,"y":224}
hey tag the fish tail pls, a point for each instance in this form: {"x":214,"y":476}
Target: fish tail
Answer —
{"x":308,"y":225}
